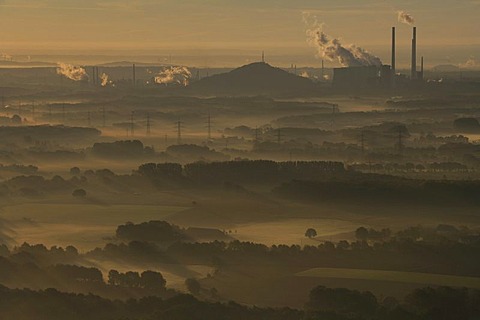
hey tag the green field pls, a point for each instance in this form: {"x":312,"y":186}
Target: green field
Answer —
{"x":393,"y":276}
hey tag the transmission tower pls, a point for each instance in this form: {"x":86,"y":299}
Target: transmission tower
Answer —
{"x":400,"y":140}
{"x":279,"y":136}
{"x":179,"y":125}
{"x":132,"y":124}
{"x":362,"y":142}
{"x":148,"y":126}
{"x":209,"y":127}
{"x":33,"y":111}
{"x":104,"y":118}
{"x":334,"y":108}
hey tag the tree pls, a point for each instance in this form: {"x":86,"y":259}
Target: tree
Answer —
{"x":342,"y":301}
{"x":113,"y":277}
{"x":79,"y":193}
{"x":16,"y":119}
{"x":75,"y":171}
{"x":311,"y":233}
{"x":361,"y":233}
{"x":193,"y":286}
{"x":152,"y":280}
{"x":214,"y":293}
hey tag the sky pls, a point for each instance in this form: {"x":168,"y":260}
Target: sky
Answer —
{"x":231,"y":26}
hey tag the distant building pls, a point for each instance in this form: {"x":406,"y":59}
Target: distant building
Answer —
{"x":363,"y":77}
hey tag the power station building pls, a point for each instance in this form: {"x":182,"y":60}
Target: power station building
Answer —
{"x":362,"y":77}
{"x":377,"y":77}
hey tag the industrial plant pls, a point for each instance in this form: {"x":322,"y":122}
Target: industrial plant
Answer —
{"x":384,"y":77}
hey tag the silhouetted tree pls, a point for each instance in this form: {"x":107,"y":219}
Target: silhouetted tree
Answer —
{"x":193,"y":286}
{"x":79,"y":193}
{"x":75,"y":171}
{"x":152,"y":280}
{"x":361,"y":233}
{"x":311,"y":233}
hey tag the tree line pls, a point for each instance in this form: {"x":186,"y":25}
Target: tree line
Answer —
{"x":441,"y":303}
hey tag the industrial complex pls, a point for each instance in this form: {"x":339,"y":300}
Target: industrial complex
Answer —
{"x":381,"y":76}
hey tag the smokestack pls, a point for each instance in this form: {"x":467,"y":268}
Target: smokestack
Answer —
{"x":414,"y":54}
{"x":394,"y":57}
{"x":134,"y":76}
{"x":421,"y":69}
{"x":393,"y":52}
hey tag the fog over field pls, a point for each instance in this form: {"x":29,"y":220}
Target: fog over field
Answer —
{"x":239,"y":160}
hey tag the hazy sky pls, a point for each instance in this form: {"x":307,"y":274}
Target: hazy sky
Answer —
{"x":106,"y":26}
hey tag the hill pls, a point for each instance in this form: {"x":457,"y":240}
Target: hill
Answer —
{"x":254,"y":79}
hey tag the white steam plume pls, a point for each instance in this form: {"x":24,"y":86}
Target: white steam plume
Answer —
{"x":332,"y":49}
{"x":406,"y":18}
{"x":305,"y":74}
{"x":178,"y":75}
{"x":6,"y":57}
{"x":105,"y":80}
{"x":471,"y":63}
{"x":72,"y":72}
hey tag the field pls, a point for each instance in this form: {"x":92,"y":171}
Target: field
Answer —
{"x":175,"y":274}
{"x":82,"y":225}
{"x":393,"y":276}
{"x":292,"y":231}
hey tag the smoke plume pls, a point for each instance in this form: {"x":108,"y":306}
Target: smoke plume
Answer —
{"x":305,"y":74}
{"x":406,"y":18}
{"x":72,"y":72}
{"x":332,"y":49}
{"x":105,"y":80}
{"x":178,"y":75}
{"x":6,"y":57}
{"x":471,"y":63}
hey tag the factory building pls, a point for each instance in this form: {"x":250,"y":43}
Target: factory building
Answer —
{"x":378,"y":77}
{"x":362,"y":77}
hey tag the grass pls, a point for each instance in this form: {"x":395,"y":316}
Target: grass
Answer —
{"x":393,"y":276}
